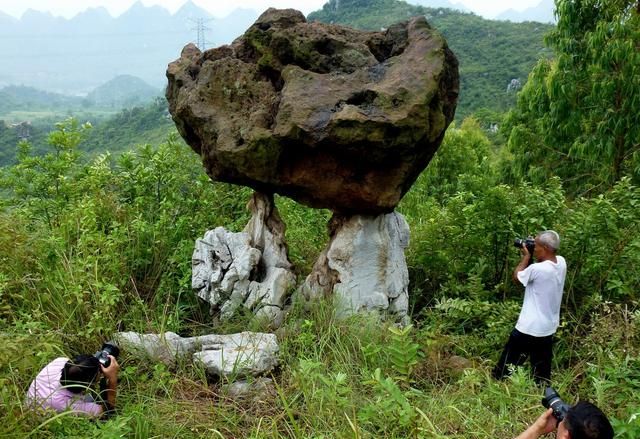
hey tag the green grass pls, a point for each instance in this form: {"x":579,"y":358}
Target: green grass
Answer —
{"x":90,"y":248}
{"x":325,"y":387}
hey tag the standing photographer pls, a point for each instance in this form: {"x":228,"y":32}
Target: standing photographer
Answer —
{"x":582,"y":421}
{"x":66,"y":384}
{"x":540,"y":314}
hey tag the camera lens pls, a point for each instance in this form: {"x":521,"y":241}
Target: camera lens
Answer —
{"x":552,"y":400}
{"x":111,"y":349}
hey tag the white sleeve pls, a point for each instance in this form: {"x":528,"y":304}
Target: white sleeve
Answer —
{"x":527,"y":275}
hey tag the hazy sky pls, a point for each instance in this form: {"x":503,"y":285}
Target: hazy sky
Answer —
{"x":69,"y":8}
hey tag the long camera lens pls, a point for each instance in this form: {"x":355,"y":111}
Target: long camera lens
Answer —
{"x":552,"y":400}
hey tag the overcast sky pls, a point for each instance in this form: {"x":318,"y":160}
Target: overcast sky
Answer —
{"x":69,"y":8}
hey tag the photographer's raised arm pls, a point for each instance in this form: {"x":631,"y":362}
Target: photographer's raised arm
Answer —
{"x":546,"y":423}
{"x":524,"y":262}
{"x":111,"y":374}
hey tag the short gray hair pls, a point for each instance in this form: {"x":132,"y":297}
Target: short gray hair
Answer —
{"x":550,"y":238}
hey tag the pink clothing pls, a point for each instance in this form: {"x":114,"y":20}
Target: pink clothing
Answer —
{"x":46,"y":392}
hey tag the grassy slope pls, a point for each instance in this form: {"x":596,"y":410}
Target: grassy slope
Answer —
{"x":54,"y":284}
{"x":122,"y":245}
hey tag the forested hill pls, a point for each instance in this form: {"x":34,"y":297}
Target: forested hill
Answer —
{"x":491,"y":53}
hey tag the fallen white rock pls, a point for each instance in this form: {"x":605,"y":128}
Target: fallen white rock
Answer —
{"x":231,"y":355}
{"x":239,"y":355}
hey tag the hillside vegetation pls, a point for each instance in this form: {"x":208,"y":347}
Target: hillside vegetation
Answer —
{"x":94,"y":245}
{"x":115,"y":132}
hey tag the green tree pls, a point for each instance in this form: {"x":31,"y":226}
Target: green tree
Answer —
{"x":577,"y":115}
{"x":45,"y":182}
{"x":464,"y":162}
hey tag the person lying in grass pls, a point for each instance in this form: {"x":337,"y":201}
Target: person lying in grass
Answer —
{"x":66,"y":384}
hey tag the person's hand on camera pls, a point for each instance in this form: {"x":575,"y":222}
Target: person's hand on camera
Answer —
{"x":524,"y":250}
{"x":546,"y":423}
{"x":111,"y":372}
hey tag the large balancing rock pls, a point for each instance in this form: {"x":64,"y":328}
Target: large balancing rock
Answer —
{"x":330,"y":116}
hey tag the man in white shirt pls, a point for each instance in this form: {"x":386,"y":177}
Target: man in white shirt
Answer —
{"x":540,"y":314}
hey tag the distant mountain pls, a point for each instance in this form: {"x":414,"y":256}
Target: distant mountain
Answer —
{"x":77,"y":55}
{"x":123,"y":91}
{"x":439,"y":4}
{"x":19,"y":97}
{"x":91,"y":20}
{"x":543,"y":13}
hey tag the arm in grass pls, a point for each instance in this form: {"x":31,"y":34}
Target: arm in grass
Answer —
{"x":111,"y":374}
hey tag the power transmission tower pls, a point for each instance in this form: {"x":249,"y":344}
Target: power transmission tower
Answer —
{"x":200,"y":28}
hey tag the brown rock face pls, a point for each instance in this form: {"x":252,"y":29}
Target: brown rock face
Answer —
{"x":329,"y":116}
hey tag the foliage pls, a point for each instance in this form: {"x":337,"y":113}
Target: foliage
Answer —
{"x":575,"y":117}
{"x":404,"y":353}
{"x":112,"y":131}
{"x":115,"y":255}
{"x":390,"y":402}
{"x":131,"y":126}
{"x":117,"y":236}
{"x":464,"y":162}
{"x":306,"y":232}
{"x":44,"y":183}
{"x":602,"y":238}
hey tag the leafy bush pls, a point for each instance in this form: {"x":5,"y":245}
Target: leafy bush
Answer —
{"x":118,"y":235}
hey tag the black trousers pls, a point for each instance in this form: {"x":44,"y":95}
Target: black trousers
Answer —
{"x":521,"y":346}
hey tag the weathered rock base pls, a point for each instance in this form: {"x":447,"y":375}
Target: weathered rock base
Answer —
{"x":363,"y":266}
{"x":249,"y":269}
{"x":232,"y":356}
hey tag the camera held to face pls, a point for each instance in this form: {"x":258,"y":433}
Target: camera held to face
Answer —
{"x":108,"y":348}
{"x":529,"y":242}
{"x":552,"y":400}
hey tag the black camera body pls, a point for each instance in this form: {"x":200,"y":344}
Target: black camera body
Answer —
{"x":108,"y":348}
{"x":552,"y":400}
{"x":529,"y":242}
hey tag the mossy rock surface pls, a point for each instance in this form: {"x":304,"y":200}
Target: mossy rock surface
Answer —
{"x":330,"y":116}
